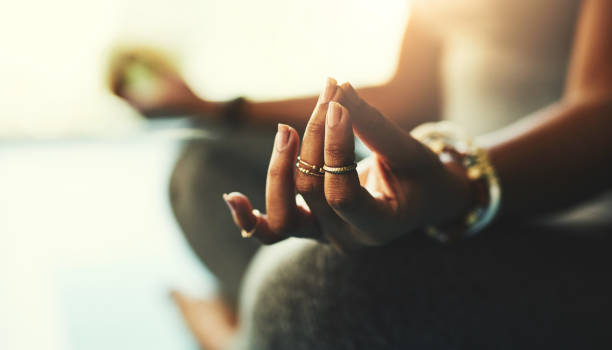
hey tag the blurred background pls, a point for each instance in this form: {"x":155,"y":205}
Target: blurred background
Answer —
{"x":88,"y":244}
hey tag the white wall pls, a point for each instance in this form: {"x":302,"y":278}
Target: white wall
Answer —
{"x":53,"y":53}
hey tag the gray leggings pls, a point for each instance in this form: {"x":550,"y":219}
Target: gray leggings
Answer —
{"x":205,"y":170}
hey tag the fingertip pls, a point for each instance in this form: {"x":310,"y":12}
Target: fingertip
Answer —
{"x":284,"y":127}
{"x":239,"y":201}
{"x":336,"y":114}
{"x":349,"y":94}
{"x":286,"y":136}
{"x":240,"y":208}
{"x":294,"y":140}
{"x":329,"y":90}
{"x":234,"y":196}
{"x":293,"y":134}
{"x":333,"y":106}
{"x":347,"y":86}
{"x":331,"y":82}
{"x":338,"y":95}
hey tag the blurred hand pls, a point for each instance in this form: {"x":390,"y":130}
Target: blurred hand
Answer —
{"x":153,"y":87}
{"x":402,"y":187}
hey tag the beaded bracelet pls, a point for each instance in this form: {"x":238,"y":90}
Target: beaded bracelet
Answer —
{"x":445,"y":139}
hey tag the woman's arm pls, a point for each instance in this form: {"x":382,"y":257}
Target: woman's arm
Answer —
{"x":558,"y":157}
{"x":563,"y":154}
{"x":411,"y":96}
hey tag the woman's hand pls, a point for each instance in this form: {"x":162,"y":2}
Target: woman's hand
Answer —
{"x":402,"y":187}
{"x":151,"y":84}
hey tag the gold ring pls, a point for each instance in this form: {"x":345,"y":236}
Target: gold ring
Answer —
{"x":309,"y":169}
{"x":247,"y":234}
{"x":311,"y":166}
{"x":308,"y":172}
{"x":345,"y":169}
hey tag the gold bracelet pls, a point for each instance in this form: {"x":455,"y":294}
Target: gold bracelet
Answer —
{"x":445,"y":139}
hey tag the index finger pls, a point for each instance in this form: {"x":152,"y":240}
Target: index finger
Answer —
{"x":343,"y":191}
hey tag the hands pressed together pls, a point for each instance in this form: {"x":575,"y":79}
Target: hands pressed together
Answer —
{"x":402,"y":187}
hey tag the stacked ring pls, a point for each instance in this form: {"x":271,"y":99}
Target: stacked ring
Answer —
{"x":247,"y":234}
{"x":341,"y":169}
{"x":311,"y":166}
{"x":309,"y":172}
{"x":309,"y":169}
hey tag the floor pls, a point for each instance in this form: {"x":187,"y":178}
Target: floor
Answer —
{"x":89,"y":247}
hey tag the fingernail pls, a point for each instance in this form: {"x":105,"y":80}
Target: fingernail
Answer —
{"x":349,"y":92}
{"x":229,"y":203}
{"x":334,"y":114}
{"x":328,"y":91}
{"x":282,"y":137}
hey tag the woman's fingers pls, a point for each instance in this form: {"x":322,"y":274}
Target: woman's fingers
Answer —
{"x":249,"y":221}
{"x":280,"y":185}
{"x":383,"y":136}
{"x":253,"y":223}
{"x":284,"y":218}
{"x":310,"y":183}
{"x":343,"y":190}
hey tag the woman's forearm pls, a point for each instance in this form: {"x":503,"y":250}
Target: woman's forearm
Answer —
{"x":558,"y":157}
{"x":563,"y":154}
{"x":296,"y":112}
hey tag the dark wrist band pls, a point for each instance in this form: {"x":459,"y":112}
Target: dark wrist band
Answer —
{"x":233,"y":112}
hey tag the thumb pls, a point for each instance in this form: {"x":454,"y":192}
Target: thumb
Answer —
{"x":390,"y":142}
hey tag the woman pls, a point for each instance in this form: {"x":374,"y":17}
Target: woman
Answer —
{"x":373,"y":282}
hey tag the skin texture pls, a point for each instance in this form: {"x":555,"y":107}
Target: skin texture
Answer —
{"x":405,"y":183}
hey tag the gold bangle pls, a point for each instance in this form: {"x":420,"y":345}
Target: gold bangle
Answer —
{"x":444,"y":138}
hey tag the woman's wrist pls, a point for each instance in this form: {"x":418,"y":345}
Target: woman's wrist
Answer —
{"x":233,"y":112}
